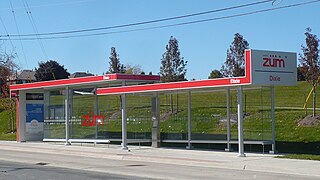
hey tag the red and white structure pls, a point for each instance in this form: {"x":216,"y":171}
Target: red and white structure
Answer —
{"x":262,"y":68}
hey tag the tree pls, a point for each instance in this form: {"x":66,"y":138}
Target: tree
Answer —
{"x":215,"y":74}
{"x":136,"y":69}
{"x":309,"y":60}
{"x":235,"y":64}
{"x":114,"y":64}
{"x":7,"y":69}
{"x":173,"y":67}
{"x":301,"y":73}
{"x":50,"y":70}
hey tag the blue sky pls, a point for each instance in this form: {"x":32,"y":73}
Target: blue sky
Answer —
{"x":203,"y":45}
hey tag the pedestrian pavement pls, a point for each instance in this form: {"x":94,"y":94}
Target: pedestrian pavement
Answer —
{"x":201,"y":158}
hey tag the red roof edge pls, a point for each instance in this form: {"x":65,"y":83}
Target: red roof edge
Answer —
{"x":84,"y":80}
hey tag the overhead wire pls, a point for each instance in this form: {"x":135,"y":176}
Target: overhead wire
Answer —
{"x":276,"y":2}
{"x":146,"y":22}
{"x":51,"y":4}
{"x":31,"y":19}
{"x":13,"y":48}
{"x":17,"y":27}
{"x":177,"y":24}
{"x":26,"y":5}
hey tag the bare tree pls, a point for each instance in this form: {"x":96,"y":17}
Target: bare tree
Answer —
{"x":309,"y":60}
{"x":7,"y":71}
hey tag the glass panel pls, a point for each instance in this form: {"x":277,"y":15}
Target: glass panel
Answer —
{"x":174,"y":116}
{"x":54,"y":123}
{"x":257,"y":113}
{"x":82,"y":122}
{"x":208,"y":116}
{"x":110,"y":108}
{"x":139,"y":122}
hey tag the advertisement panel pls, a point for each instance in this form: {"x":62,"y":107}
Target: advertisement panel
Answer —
{"x":34,"y":118}
{"x":273,"y":67}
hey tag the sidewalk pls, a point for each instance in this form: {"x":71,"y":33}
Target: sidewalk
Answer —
{"x":216,"y":159}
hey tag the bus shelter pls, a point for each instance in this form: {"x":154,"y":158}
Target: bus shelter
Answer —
{"x":54,"y":110}
{"x":82,"y":108}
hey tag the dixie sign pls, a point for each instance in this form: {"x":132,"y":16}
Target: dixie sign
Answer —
{"x":273,"y":67}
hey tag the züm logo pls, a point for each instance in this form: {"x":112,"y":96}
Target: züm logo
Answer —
{"x":92,"y":119}
{"x":273,"y":62}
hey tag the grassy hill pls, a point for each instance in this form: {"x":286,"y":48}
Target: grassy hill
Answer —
{"x":289,"y":109}
{"x":5,"y":121}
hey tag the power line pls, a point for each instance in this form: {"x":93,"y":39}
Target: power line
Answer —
{"x":36,"y":30}
{"x":33,"y":24}
{"x":176,"y":24}
{"x":145,"y":22}
{"x":52,"y":4}
{"x":15,"y":21}
{"x":276,"y":2}
{"x":4,"y":26}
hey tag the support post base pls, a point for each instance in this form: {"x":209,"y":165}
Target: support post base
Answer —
{"x":241,"y":155}
{"x":124,"y":148}
{"x":273,"y":152}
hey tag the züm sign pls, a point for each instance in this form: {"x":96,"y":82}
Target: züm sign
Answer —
{"x":92,"y":120}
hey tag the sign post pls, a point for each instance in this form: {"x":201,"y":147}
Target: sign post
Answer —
{"x":240,"y":123}
{"x":273,"y":68}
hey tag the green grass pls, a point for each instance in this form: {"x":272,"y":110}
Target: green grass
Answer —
{"x":5,"y":127}
{"x":301,"y":156}
{"x":294,"y":96}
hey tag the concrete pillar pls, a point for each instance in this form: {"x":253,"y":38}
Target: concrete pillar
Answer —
{"x":155,"y":121}
{"x":21,"y":117}
{"x":240,"y":123}
{"x":46,"y":98}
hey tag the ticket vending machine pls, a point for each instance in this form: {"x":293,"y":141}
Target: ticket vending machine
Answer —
{"x":31,"y":115}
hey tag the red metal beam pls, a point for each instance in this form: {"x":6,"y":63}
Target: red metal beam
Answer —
{"x":84,"y":80}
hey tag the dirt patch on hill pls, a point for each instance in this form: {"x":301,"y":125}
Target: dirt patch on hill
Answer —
{"x":116,"y":115}
{"x":309,"y":121}
{"x":166,"y":115}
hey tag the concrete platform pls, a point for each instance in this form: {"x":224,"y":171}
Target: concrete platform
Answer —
{"x":265,"y":163}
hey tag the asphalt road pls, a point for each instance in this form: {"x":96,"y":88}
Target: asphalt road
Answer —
{"x":39,"y":171}
{"x":44,"y":161}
